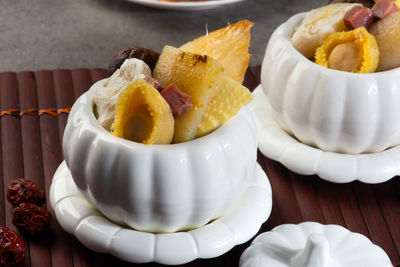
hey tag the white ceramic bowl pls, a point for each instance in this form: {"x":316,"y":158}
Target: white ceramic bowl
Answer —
{"x":159,"y":188}
{"x":333,"y":110}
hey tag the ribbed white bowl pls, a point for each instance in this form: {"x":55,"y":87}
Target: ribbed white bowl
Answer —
{"x":159,"y":188}
{"x":332,"y":110}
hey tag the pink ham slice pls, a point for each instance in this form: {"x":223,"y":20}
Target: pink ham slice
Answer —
{"x":153,"y":82}
{"x":178,"y":101}
{"x":358,"y":16}
{"x":383,"y":8}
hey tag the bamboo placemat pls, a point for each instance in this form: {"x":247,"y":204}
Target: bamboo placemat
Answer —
{"x":33,"y":112}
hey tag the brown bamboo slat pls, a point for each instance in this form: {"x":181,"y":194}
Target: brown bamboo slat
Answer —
{"x":11,"y":135}
{"x":388,"y":197}
{"x":98,"y":74}
{"x":32,"y":148}
{"x":81,"y":80}
{"x":64,"y":95}
{"x":13,"y":165}
{"x":52,"y":156}
{"x":328,"y":203}
{"x":374,"y":219}
{"x":283,"y":191}
{"x":350,"y":210}
{"x":32,"y":155}
{"x":2,"y":186}
{"x":306,"y":198}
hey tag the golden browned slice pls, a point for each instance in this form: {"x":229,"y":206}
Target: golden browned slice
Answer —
{"x":229,"y":46}
{"x":231,"y":97}
{"x":142,"y":115}
{"x":195,"y":75}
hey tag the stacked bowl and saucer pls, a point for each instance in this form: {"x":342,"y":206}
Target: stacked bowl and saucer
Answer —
{"x":338,"y":125}
{"x":169,"y":204}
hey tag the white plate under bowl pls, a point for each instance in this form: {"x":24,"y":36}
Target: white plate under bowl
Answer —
{"x":185,"y":5}
{"x":79,"y":218}
{"x":300,"y":158}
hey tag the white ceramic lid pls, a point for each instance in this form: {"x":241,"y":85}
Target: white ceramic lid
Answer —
{"x":311,"y":244}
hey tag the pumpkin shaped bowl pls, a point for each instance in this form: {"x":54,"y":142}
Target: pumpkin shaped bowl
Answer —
{"x":159,"y":188}
{"x":332,"y":110}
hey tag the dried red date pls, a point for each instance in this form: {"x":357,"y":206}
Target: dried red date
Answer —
{"x":22,"y":190}
{"x":30,"y":219}
{"x":150,"y":57}
{"x":12,"y":247}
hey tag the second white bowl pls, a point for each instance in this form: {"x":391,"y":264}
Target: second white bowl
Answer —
{"x":333,"y":110}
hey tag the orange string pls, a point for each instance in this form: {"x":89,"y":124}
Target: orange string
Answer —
{"x":35,"y":112}
{"x":63,"y":110}
{"x":50,"y":111}
{"x":31,"y":111}
{"x":9,"y":112}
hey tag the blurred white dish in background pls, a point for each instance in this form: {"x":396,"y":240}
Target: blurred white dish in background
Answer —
{"x":311,"y":244}
{"x":240,"y":223}
{"x":333,"y":110}
{"x":184,"y":5}
{"x":278,"y":145}
{"x":159,"y":188}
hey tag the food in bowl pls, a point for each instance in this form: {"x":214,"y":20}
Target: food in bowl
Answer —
{"x":106,"y":96}
{"x":163,"y":187}
{"x":139,"y":103}
{"x":190,"y":83}
{"x":332,"y":110}
{"x":352,"y":51}
{"x":387,"y":34}
{"x":318,"y":24}
{"x":351,"y":37}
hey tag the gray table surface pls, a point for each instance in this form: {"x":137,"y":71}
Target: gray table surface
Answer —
{"x":49,"y":34}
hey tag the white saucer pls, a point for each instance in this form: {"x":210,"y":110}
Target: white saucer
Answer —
{"x":185,"y":5}
{"x":278,"y":145}
{"x":76,"y":216}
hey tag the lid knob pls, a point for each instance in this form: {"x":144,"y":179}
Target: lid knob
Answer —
{"x":315,"y":254}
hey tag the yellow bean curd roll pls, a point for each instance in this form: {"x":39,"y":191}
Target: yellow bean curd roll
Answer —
{"x":352,"y":51}
{"x":143,"y":115}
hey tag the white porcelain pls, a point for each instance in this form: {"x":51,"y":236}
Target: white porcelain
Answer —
{"x":185,"y":5}
{"x":159,"y":188}
{"x":333,"y":110}
{"x":240,"y":223}
{"x":277,"y":144}
{"x":311,"y":244}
